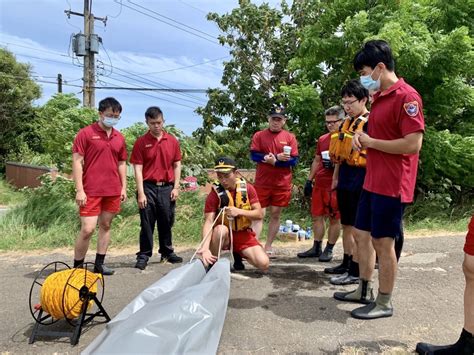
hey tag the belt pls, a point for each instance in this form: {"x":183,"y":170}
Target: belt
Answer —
{"x":159,"y":183}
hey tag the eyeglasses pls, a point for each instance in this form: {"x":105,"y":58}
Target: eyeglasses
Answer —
{"x":348,"y":103}
{"x":332,"y":122}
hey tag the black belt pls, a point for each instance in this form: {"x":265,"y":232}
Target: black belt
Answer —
{"x":159,"y":183}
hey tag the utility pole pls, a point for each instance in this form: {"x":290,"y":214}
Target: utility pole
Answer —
{"x":60,"y":83}
{"x":91,"y":46}
{"x":89,"y":60}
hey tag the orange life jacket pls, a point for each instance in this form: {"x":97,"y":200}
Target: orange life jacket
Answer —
{"x":340,"y":147}
{"x":241,"y":201}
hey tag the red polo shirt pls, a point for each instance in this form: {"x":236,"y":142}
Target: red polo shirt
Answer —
{"x":269,"y":176}
{"x":156,"y":156}
{"x":395,"y":113}
{"x":102,"y":154}
{"x":212,"y":200}
{"x":323,"y":176}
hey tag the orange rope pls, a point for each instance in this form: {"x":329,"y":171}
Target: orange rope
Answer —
{"x":66,"y":284}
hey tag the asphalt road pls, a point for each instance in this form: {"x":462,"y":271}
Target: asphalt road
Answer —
{"x":288,"y":310}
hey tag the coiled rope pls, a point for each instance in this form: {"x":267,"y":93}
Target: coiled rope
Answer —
{"x":60,"y":295}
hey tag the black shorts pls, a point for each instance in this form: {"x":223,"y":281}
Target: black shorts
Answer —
{"x":348,"y":201}
{"x":379,"y":214}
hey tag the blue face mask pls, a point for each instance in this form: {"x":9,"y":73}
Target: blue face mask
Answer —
{"x":369,"y":83}
{"x":110,"y":121}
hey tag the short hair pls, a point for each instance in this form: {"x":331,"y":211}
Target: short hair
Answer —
{"x":335,"y":111}
{"x":354,"y":88}
{"x":153,"y":112}
{"x":372,"y":53}
{"x":110,"y":102}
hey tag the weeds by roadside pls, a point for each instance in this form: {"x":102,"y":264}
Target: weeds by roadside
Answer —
{"x":46,"y":217}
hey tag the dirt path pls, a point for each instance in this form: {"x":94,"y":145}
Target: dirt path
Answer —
{"x":289,"y":310}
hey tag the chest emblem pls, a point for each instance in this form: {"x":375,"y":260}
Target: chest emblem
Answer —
{"x":149,"y":145}
{"x":411,"y":108}
{"x":95,"y":137}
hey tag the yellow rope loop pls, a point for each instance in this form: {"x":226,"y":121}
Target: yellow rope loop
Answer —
{"x":68,"y":284}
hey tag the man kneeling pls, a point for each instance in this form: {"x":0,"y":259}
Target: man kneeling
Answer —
{"x":241,"y":206}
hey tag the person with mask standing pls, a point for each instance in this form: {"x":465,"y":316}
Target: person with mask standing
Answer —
{"x":275,"y":151}
{"x":393,"y":142}
{"x":99,"y":170}
{"x":156,"y":159}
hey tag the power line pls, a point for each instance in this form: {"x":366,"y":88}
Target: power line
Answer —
{"x":155,"y":97}
{"x":170,"y":24}
{"x":150,"y":89}
{"x":187,"y":66}
{"x":173,"y":20}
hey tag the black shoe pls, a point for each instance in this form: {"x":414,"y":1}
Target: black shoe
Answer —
{"x":142,"y":261}
{"x":314,"y":252}
{"x":238,"y":264}
{"x":464,"y":345}
{"x":104,"y":270}
{"x":172,"y":258}
{"x":326,"y":255}
{"x":337,"y":270}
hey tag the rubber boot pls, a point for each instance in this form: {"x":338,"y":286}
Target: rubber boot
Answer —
{"x":314,"y":252}
{"x":464,"y":346}
{"x":382,"y":307}
{"x":238,"y":264}
{"x":340,"y":269}
{"x":363,"y":294}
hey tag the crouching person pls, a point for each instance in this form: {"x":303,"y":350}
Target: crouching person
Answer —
{"x":240,"y":205}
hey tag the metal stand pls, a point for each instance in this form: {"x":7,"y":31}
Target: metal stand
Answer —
{"x":84,"y":318}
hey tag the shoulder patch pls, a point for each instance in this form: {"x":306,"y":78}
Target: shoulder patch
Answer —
{"x":411,"y":108}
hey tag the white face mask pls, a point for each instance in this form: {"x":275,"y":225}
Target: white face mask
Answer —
{"x":110,"y":121}
{"x":369,"y":83}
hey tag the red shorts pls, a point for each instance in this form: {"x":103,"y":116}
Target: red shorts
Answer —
{"x":95,"y":205}
{"x":324,"y":203}
{"x":243,"y":240}
{"x":271,"y":197}
{"x":469,"y":246}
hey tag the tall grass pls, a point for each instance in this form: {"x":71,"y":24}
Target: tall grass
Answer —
{"x":47,"y":217}
{"x":8,"y":195}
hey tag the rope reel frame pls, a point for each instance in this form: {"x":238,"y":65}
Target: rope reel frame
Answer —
{"x":84,"y":295}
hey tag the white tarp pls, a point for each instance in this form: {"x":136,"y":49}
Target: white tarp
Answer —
{"x":182,"y":313}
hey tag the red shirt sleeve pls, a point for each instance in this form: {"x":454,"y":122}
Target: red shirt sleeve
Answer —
{"x":123,"y":151}
{"x":318,"y":149}
{"x":255,"y":145}
{"x":294,"y":146}
{"x":411,"y":117}
{"x":177,"y":156}
{"x":212,"y":202}
{"x":253,"y":197}
{"x":80,"y":143}
{"x":137,"y":156}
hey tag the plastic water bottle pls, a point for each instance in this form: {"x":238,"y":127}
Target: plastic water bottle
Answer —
{"x":309,"y":233}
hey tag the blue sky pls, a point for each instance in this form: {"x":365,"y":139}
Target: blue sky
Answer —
{"x":137,"y":51}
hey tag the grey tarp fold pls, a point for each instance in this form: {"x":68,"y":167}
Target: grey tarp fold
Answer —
{"x":182,"y":313}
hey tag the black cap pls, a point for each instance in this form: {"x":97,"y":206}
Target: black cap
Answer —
{"x":277,"y":111}
{"x":225,"y":165}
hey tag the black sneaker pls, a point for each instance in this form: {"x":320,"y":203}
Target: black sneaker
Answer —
{"x":171,"y":258}
{"x":142,"y":261}
{"x":326,"y":255}
{"x":337,"y":270}
{"x":104,"y":270}
{"x":314,"y":252}
{"x":238,"y":264}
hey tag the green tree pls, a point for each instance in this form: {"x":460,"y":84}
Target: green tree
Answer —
{"x":261,"y":44}
{"x":132,"y":132}
{"x":57,"y":124}
{"x":17,"y":93}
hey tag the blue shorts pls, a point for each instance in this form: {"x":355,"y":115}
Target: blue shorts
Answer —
{"x":380,"y":215}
